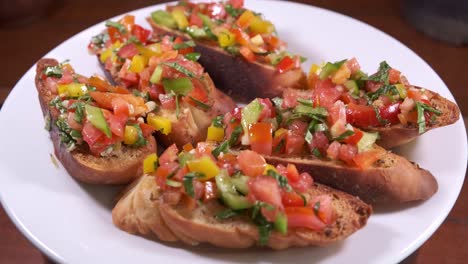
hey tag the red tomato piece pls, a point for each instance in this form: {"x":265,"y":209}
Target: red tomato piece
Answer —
{"x":146,"y":129}
{"x":128,"y":51}
{"x":237,"y":3}
{"x":365,"y":159}
{"x":267,"y":111}
{"x":326,"y":213}
{"x":211,"y":191}
{"x":372,"y":86}
{"x":114,"y":34}
{"x":141,"y":33}
{"x":303,"y":217}
{"x":291,"y":173}
{"x":116,"y":123}
{"x":353,"y":65}
{"x":72,"y":122}
{"x":285,"y":64}
{"x":169,"y":155}
{"x":325,"y":93}
{"x":393,"y":76}
{"x":291,"y":199}
{"x":319,"y":141}
{"x":251,"y":163}
{"x":354,"y":139}
{"x":266,"y":189}
{"x":361,"y":115}
{"x":261,"y":139}
{"x":195,"y":20}
{"x":347,"y":153}
{"x":247,"y":54}
{"x":390,"y":113}
{"x":216,"y":11}
{"x":228,"y":162}
{"x":333,"y":150}
{"x":167,"y":101}
{"x":164,"y":170}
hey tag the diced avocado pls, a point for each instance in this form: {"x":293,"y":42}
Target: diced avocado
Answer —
{"x":164,"y":18}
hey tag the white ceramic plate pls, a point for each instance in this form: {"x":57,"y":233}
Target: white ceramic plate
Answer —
{"x":72,"y":222}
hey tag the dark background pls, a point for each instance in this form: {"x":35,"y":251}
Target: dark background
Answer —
{"x":27,"y":33}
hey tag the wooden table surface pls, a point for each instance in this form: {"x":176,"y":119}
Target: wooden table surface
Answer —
{"x":24,"y":41}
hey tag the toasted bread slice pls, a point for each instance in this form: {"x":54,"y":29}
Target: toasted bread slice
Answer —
{"x":240,"y":79}
{"x":144,"y":210}
{"x":121,"y":168}
{"x":392,"y":179}
{"x":397,"y":135}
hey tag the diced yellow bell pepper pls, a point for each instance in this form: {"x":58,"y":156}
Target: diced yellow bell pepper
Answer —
{"x":105,"y":55}
{"x":204,"y":165}
{"x":226,"y":38}
{"x":269,"y":167}
{"x":180,"y":18}
{"x":260,"y":26}
{"x":150,"y":50}
{"x":138,"y":64}
{"x":130,"y":135}
{"x":72,"y":89}
{"x":149,"y":164}
{"x":215,"y":134}
{"x":160,"y":123}
{"x":245,"y":19}
{"x":314,"y":69}
{"x":280,"y":131}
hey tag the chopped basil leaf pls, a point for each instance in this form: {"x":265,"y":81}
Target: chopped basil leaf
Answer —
{"x":194,"y":56}
{"x":210,"y":33}
{"x":303,"y":198}
{"x":234,"y":12}
{"x":384,"y":90}
{"x":65,"y":132}
{"x":382,"y":74}
{"x":278,"y":148}
{"x":200,"y":103}
{"x":282,"y":181}
{"x":141,"y":141}
{"x":421,"y":107}
{"x":79,"y":111}
{"x":121,"y":28}
{"x":172,"y":174}
{"x":226,"y":214}
{"x":184,"y":45}
{"x":218,"y":121}
{"x":379,"y":117}
{"x":264,"y":227}
{"x":317,"y":208}
{"x":235,"y":135}
{"x":180,"y":68}
{"x":264,"y":231}
{"x":57,"y":103}
{"x":316,"y":153}
{"x":188,"y":182}
{"x":233,"y":50}
{"x":100,"y":39}
{"x":54,"y":71}
{"x":344,"y":135}
{"x":223,"y":147}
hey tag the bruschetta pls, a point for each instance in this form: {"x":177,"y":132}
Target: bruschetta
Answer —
{"x":235,"y":201}
{"x":322,"y":142}
{"x":97,"y":129}
{"x":383,"y":102}
{"x":164,"y":71}
{"x":240,"y":49}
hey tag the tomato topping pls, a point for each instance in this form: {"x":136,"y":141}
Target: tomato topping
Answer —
{"x":325,"y":93}
{"x":319,"y":141}
{"x":216,"y":11}
{"x":141,"y":33}
{"x":247,"y":54}
{"x":266,"y":189}
{"x":393,"y":76}
{"x":334,"y":150}
{"x":164,"y":170}
{"x":236,"y":3}
{"x":353,"y":65}
{"x":169,"y":155}
{"x":195,"y":20}
{"x":365,"y":159}
{"x":128,"y":51}
{"x":114,"y":34}
{"x":285,"y":64}
{"x":291,"y":199}
{"x":167,"y":101}
{"x":291,"y":173}
{"x":354,"y":139}
{"x":390,"y":113}
{"x":372,"y":86}
{"x":106,"y":100}
{"x":228,"y":162}
{"x":304,"y":182}
{"x":347,"y":153}
{"x":325,"y":210}
{"x":267,"y":111}
{"x":146,"y":129}
{"x":303,"y":217}
{"x":295,"y":138}
{"x":290,"y":97}
{"x":251,"y":163}
{"x":211,"y":191}
{"x":361,"y":115}
{"x":261,"y":138}
{"x":116,"y":123}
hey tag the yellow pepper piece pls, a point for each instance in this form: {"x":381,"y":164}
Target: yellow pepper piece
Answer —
{"x":130,"y":135}
{"x":245,"y":19}
{"x":105,"y":55}
{"x":160,"y":123}
{"x":215,"y":134}
{"x":204,"y":165}
{"x":269,"y":167}
{"x":401,"y":90}
{"x":72,"y":89}
{"x":260,"y":26}
{"x":150,"y":50}
{"x":226,"y":38}
{"x":149,"y":164}
{"x":180,"y":18}
{"x":314,"y":69}
{"x":138,"y":64}
{"x":280,"y":131}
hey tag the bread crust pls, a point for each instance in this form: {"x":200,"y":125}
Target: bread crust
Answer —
{"x":392,"y":179}
{"x":397,"y":135}
{"x":80,"y":163}
{"x":240,"y":79}
{"x":199,"y":225}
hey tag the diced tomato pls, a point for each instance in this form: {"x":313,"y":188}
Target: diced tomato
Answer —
{"x":106,"y":100}
{"x":146,"y":129}
{"x":164,"y":170}
{"x":361,"y":115}
{"x":216,"y":11}
{"x":183,"y":51}
{"x":325,"y":93}
{"x":198,"y":93}
{"x":228,"y":162}
{"x":204,"y":149}
{"x":337,"y":117}
{"x":179,"y":175}
{"x":114,"y":34}
{"x":390,"y":113}
{"x":247,"y":54}
{"x":211,"y":191}
{"x":303,"y":217}
{"x":267,"y":111}
{"x":99,"y":83}
{"x":354,"y":139}
{"x":304,"y":182}
{"x":347,"y":98}
{"x":116,"y":123}
{"x":353,"y":65}
{"x":279,"y":143}
{"x":261,"y":138}
{"x":127,"y":21}
{"x":347,"y":153}
{"x":295,"y":138}
{"x":128,"y":78}
{"x":251,"y":163}
{"x":365,"y":159}
{"x":128,"y":51}
{"x":291,"y":173}
{"x":285,"y":64}
{"x":333,"y":150}
{"x":372,"y":86}
{"x":167,"y":101}
{"x":198,"y":189}
{"x":66,"y":78}
{"x":156,"y":90}
{"x":120,"y":107}
{"x":326,"y":213}
{"x":415,"y":94}
{"x":92,"y":136}
{"x":266,"y":189}
{"x":169,"y":155}
{"x":237,"y":3}
{"x":393,"y":76}
{"x":195,"y":20}
{"x":319,"y":141}
{"x":291,"y":199}
{"x":141,"y":33}
{"x":72,"y":122}
{"x":290,"y":97}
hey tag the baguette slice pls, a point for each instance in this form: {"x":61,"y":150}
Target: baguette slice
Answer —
{"x":80,"y":163}
{"x":143,"y":210}
{"x":397,"y":135}
{"x":240,"y":79}
{"x":392,"y":179}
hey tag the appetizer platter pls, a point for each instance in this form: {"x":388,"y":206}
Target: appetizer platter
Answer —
{"x":155,"y":108}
